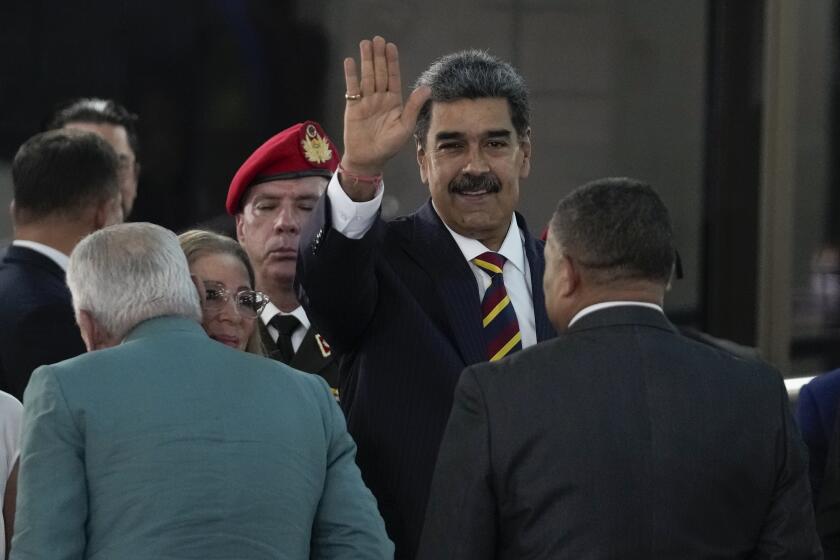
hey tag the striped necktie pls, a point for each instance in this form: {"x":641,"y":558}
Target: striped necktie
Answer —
{"x":501,"y":329}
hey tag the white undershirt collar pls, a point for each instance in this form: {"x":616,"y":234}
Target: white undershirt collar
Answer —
{"x":606,"y":304}
{"x":511,"y":248}
{"x":54,"y":255}
{"x":270,"y":310}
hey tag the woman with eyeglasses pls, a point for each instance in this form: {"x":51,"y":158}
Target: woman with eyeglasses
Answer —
{"x":230,"y":305}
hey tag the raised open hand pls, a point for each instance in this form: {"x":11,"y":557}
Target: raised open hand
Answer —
{"x":376,"y":123}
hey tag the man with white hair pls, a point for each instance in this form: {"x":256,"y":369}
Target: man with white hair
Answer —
{"x":165,"y":444}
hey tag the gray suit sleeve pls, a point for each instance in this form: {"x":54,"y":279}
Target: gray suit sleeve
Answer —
{"x":52,"y":503}
{"x":347,"y":523}
{"x":789,"y":530}
{"x":461,"y":516}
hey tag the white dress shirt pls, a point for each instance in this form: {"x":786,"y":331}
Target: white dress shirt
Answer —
{"x":607,"y":304}
{"x":268,"y":313}
{"x":54,"y":255}
{"x":354,"y":219}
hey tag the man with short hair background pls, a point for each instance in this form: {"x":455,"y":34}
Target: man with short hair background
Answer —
{"x":409,"y":303}
{"x":117,"y":126}
{"x":621,"y":438}
{"x":271,"y":196}
{"x":65,"y":186}
{"x":166,"y":444}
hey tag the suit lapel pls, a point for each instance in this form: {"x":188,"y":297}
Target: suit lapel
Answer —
{"x":534,"y":250}
{"x":438,"y":254}
{"x":309,"y":357}
{"x":268,"y":342}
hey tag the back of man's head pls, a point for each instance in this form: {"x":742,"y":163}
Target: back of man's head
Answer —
{"x":128,"y":273}
{"x":61,"y":173}
{"x":473,"y":74}
{"x":97,"y":111}
{"x":616,"y":230}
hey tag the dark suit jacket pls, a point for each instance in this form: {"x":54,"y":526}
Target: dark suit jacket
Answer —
{"x":310,"y":357}
{"x":37,"y":325}
{"x":405,"y":321}
{"x":620,"y":439}
{"x":816,"y":413}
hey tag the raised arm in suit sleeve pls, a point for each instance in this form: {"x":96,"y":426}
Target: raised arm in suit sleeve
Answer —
{"x":789,"y":529}
{"x":52,"y":493}
{"x":347,"y":523}
{"x":336,"y":280}
{"x":461,"y":515}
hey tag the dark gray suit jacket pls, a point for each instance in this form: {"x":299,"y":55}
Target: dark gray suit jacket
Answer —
{"x":620,"y":439}
{"x":400,"y":308}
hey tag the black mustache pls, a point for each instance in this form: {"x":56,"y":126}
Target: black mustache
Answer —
{"x":472,"y":183}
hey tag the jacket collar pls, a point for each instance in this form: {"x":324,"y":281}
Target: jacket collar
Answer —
{"x":624,"y":315}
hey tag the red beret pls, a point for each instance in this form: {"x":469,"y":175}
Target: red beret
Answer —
{"x":302,"y":150}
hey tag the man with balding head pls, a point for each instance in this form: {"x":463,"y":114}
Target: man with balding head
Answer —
{"x":65,"y":186}
{"x":621,"y":438}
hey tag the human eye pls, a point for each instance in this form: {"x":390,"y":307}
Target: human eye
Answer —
{"x":497,"y":143}
{"x":214,"y":293}
{"x":265,"y":206}
{"x":449,"y":146}
{"x":246,"y":298}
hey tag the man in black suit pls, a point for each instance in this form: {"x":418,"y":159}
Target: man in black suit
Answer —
{"x":271,"y":196}
{"x":66,"y":185}
{"x":409,"y":303}
{"x":620,"y":438}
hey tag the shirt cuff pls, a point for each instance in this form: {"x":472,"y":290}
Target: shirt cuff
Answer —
{"x":350,"y":218}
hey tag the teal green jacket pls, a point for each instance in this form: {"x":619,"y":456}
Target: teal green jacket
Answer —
{"x":171,"y":445}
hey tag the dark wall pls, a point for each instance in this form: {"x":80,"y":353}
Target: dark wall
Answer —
{"x":210,"y":80}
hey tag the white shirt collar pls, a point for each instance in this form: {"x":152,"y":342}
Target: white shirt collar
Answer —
{"x":606,"y":304}
{"x":270,"y":310}
{"x":54,"y":255}
{"x":511,"y":248}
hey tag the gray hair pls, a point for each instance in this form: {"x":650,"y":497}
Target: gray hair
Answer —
{"x":128,"y":273}
{"x":473,"y":74}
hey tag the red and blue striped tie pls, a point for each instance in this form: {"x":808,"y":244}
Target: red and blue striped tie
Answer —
{"x":501,"y":329}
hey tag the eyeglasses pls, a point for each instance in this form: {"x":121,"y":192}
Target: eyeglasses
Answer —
{"x":249,"y":303}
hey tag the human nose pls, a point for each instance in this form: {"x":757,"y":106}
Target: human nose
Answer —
{"x":476,"y":163}
{"x":287,"y":220}
{"x":229,"y":311}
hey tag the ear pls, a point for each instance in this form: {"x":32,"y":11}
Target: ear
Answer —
{"x":107,"y":213}
{"x":422,"y":163}
{"x":240,"y":228}
{"x":568,"y":277}
{"x":88,"y":327}
{"x":525,"y":146}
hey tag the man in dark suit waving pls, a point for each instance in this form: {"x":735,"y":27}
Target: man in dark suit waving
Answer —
{"x":66,"y":185}
{"x":409,"y":303}
{"x":620,"y":438}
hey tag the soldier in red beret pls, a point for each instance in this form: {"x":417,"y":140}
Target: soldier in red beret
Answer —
{"x":271,"y":196}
